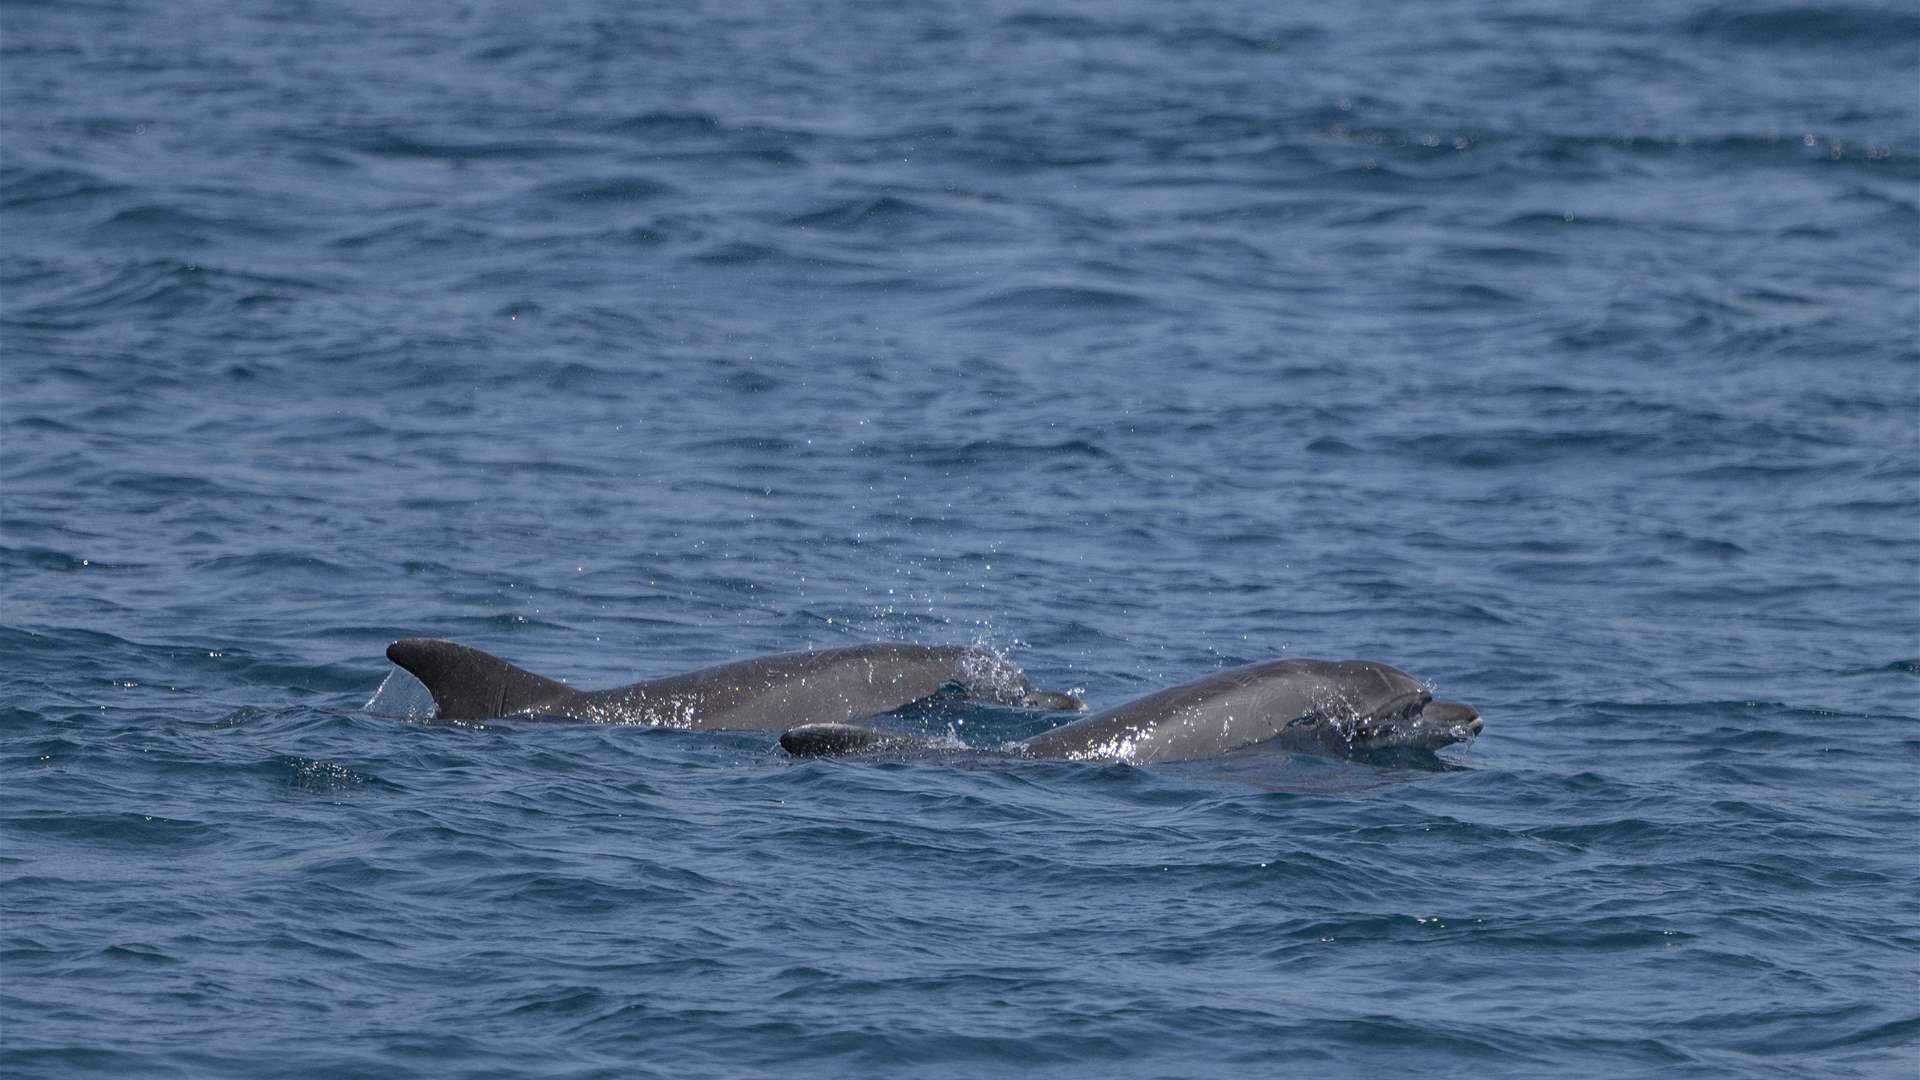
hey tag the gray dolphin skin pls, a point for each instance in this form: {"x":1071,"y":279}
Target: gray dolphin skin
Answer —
{"x":1319,"y":706}
{"x":768,"y":693}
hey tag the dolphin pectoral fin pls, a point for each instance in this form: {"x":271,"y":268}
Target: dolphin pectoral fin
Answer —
{"x":1050,"y":699}
{"x":836,"y":740}
{"x":468,"y":684}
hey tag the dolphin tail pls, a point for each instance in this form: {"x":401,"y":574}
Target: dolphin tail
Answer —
{"x":468,"y":684}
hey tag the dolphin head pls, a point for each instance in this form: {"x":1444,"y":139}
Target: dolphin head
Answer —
{"x":1412,"y":719}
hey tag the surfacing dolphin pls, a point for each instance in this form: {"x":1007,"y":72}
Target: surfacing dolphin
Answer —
{"x":768,"y":693}
{"x":1337,"y":707}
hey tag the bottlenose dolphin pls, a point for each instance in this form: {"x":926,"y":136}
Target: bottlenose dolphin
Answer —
{"x":767,"y":693}
{"x":1318,"y":706}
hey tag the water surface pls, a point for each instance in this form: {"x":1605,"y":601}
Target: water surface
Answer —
{"x":1566,"y":355}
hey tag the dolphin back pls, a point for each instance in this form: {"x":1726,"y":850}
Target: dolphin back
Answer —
{"x":468,"y":684}
{"x":841,"y":685}
{"x":1279,"y":699}
{"x":764,"y":693}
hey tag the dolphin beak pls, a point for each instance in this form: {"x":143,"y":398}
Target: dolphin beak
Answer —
{"x":1048,"y":699}
{"x":1452,"y":714}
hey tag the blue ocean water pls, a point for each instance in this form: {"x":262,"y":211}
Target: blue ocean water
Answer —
{"x":1565,"y":354}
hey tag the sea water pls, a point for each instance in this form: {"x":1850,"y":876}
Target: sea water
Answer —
{"x":1564,"y":354}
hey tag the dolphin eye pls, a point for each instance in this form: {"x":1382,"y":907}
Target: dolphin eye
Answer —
{"x":1304,"y":721}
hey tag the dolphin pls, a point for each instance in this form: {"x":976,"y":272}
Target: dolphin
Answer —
{"x":768,"y":693}
{"x":1336,"y":707}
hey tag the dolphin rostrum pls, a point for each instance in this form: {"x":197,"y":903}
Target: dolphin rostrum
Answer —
{"x":1318,"y":706}
{"x":768,"y":693}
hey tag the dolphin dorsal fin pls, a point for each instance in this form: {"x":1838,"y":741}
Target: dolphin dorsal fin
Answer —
{"x":468,"y":684}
